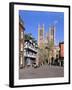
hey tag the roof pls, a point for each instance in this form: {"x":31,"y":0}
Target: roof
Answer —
{"x":21,"y":23}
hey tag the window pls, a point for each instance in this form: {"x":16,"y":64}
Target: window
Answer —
{"x":21,"y":35}
{"x":21,"y":47}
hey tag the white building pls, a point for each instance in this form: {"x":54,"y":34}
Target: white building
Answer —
{"x":30,"y":51}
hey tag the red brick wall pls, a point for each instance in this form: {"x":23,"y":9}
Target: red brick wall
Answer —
{"x":62,"y":50}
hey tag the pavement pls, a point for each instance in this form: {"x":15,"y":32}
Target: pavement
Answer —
{"x":45,"y":71}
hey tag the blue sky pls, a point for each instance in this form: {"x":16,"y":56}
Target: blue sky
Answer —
{"x":31,"y":20}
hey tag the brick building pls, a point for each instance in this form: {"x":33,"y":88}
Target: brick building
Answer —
{"x":61,"y":54}
{"x":21,"y":43}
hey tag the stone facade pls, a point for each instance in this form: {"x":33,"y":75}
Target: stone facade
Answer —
{"x":21,"y":43}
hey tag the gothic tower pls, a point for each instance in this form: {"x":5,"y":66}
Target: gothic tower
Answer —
{"x":41,"y":36}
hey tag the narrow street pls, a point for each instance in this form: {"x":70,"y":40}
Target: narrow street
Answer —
{"x":45,"y":71}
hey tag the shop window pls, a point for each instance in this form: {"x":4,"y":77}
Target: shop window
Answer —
{"x":21,"y":60}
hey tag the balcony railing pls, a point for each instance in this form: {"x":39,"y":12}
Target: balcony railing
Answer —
{"x":30,"y":47}
{"x":29,"y":55}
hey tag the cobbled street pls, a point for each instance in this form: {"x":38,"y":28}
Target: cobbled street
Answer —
{"x":45,"y":71}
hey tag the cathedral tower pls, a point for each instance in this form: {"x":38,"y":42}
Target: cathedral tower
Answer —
{"x":41,"y":36}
